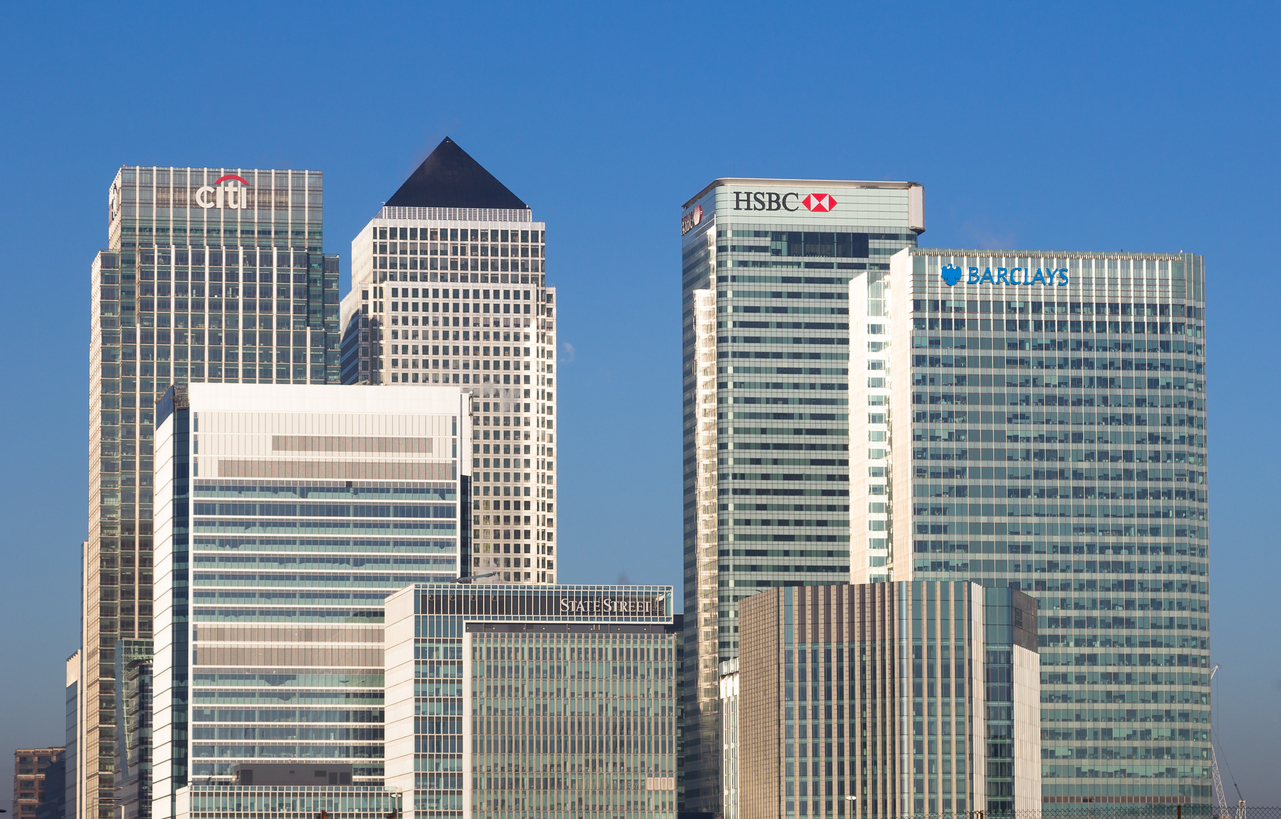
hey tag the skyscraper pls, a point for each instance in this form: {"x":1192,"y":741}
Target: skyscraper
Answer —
{"x":1037,"y":420}
{"x":887,"y":699}
{"x":552,"y":701}
{"x":210,"y":274}
{"x":285,"y":514}
{"x":766,"y":266}
{"x":449,"y":287}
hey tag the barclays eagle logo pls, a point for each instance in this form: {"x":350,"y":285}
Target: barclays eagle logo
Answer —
{"x":951,"y":274}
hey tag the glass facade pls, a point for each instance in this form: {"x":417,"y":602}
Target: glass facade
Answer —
{"x":288,"y":516}
{"x":210,"y":274}
{"x":220,"y":801}
{"x":133,"y":729}
{"x":1042,"y":423}
{"x":557,"y":702}
{"x":888,"y":699}
{"x":765,"y":319}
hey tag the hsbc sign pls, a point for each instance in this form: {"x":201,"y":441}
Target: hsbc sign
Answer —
{"x":228,"y":192}
{"x":790,"y":201}
{"x":692,"y":219}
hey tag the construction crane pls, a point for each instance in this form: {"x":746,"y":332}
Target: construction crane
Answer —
{"x":1220,"y":800}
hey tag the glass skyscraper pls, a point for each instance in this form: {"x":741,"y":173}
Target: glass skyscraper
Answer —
{"x":766,"y":266}
{"x":887,"y":700}
{"x":449,"y":286}
{"x":285,"y":515}
{"x":513,"y":702}
{"x":210,"y":274}
{"x":1037,"y":420}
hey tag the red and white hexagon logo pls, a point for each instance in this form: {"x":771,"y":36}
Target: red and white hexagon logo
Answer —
{"x":818,"y":202}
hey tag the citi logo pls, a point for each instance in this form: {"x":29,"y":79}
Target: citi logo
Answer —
{"x":229,"y":191}
{"x":790,"y":201}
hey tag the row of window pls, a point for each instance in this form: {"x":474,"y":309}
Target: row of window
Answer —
{"x":412,"y":307}
{"x":1064,"y":510}
{"x":1061,"y":326}
{"x":320,"y":562}
{"x":780,"y":294}
{"x":1052,"y":363}
{"x":282,"y":288}
{"x":461,"y":234}
{"x":446,"y":364}
{"x":1101,"y":345}
{"x":445,"y":249}
{"x":1058,"y":308}
{"x":1052,"y":492}
{"x":218,"y":257}
{"x":414,"y":264}
{"x":412,"y":292}
{"x":1063,"y":456}
{"x":404,"y":349}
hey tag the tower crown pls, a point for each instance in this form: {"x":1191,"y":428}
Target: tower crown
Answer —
{"x":450,"y":178}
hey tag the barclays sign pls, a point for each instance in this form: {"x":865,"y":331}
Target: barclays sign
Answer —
{"x":1044,"y":276}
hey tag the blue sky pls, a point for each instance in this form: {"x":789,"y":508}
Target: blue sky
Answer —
{"x":1082,"y":126}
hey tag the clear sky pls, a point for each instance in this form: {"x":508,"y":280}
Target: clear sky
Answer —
{"x":1084,"y":126}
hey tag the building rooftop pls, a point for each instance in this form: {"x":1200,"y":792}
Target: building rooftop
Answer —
{"x":450,"y":178}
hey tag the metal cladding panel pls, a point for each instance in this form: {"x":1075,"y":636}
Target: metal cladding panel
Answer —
{"x":916,"y":208}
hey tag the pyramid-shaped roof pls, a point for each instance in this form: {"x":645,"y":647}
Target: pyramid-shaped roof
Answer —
{"x":449,"y":178}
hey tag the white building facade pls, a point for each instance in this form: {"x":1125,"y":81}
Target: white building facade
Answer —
{"x":449,"y":287}
{"x":285,"y":515}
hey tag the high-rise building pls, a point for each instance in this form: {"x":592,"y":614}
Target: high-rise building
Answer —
{"x":550,"y":701}
{"x":285,"y":514}
{"x":71,"y":766}
{"x":1037,"y":420}
{"x":766,"y":267}
{"x":887,"y":699}
{"x":449,"y":287}
{"x":29,"y":768}
{"x":210,"y":274}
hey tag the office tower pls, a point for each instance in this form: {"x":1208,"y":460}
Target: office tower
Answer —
{"x":29,"y":768}
{"x":549,"y":701}
{"x":449,"y":287}
{"x":210,"y":274}
{"x":133,"y":728}
{"x":284,"y":515}
{"x":766,"y":266}
{"x":888,"y":699}
{"x":71,"y":770}
{"x":1037,"y":420}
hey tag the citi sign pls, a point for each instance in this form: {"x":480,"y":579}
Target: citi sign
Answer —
{"x":230,"y":192}
{"x":762,"y":200}
{"x":1013,"y":276}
